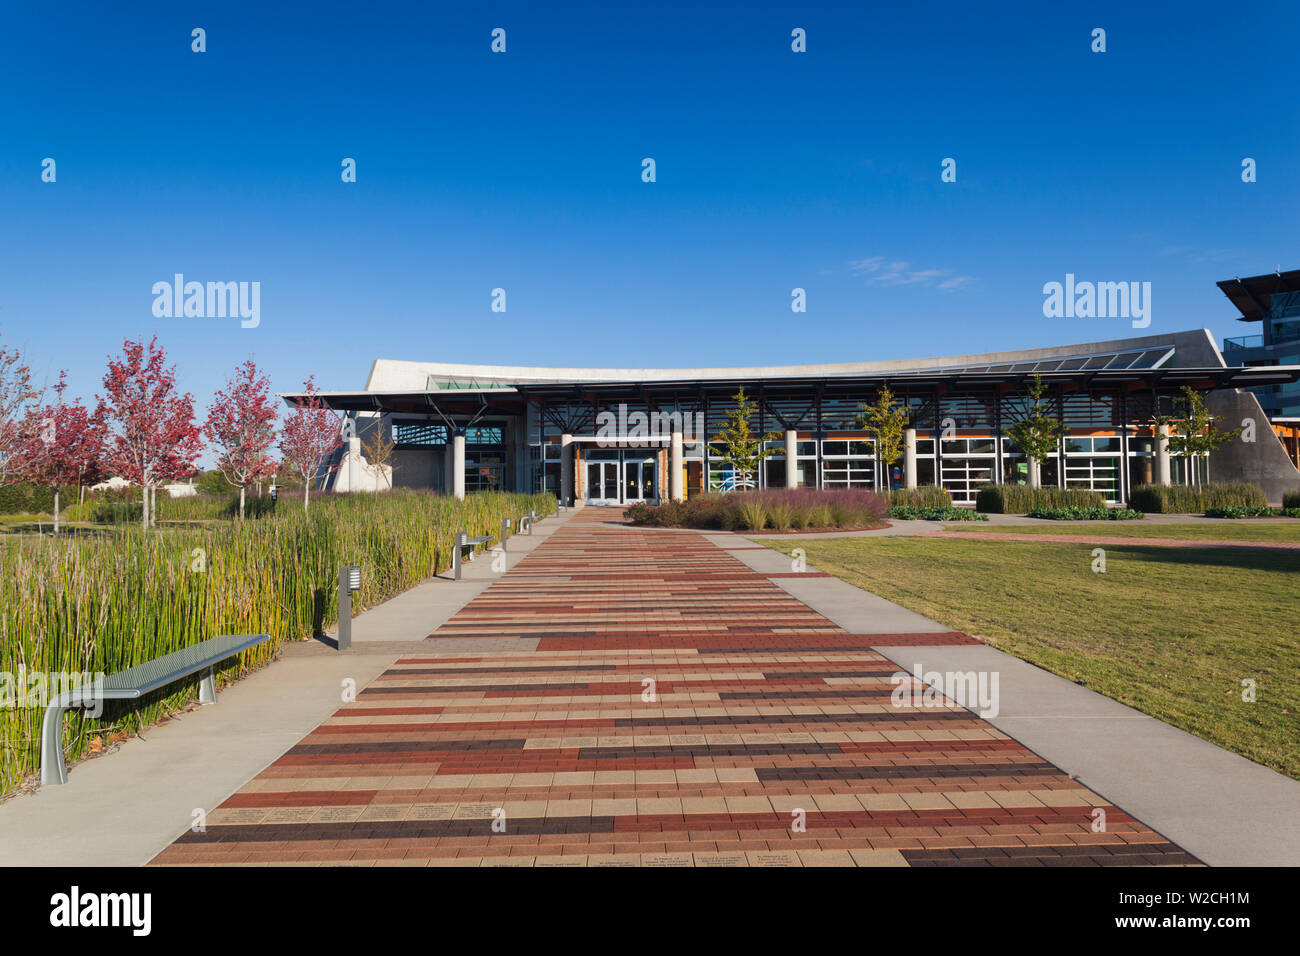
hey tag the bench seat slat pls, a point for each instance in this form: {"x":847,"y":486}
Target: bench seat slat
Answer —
{"x":151,"y":675}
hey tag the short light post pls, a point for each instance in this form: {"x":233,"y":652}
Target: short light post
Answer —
{"x":349,"y":581}
{"x":505,"y":532}
{"x":456,"y":557}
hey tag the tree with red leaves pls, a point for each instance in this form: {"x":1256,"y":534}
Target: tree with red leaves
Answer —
{"x":153,"y":437}
{"x":62,"y":444}
{"x":241,"y":426}
{"x":312,"y":433}
{"x":17,"y":396}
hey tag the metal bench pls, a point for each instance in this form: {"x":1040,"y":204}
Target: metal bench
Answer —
{"x":136,"y":682}
{"x":463,"y":541}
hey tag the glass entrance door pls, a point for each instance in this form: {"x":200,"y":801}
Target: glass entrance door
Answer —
{"x":602,"y":482}
{"x":638,"y":479}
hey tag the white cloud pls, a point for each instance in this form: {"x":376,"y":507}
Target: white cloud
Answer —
{"x":879,"y":270}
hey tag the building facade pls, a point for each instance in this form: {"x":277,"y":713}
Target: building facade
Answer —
{"x":617,"y":436}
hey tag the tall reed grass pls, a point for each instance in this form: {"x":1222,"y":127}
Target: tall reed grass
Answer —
{"x":1183,"y":499}
{"x":108,"y":602}
{"x":1021,"y":499}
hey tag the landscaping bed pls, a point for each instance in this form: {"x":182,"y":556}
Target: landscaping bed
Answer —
{"x":797,"y":509}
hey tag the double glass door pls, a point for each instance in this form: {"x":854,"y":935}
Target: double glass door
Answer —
{"x":620,"y":482}
{"x":602,"y":482}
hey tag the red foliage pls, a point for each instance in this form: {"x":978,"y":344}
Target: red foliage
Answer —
{"x":154,"y":438}
{"x":63,"y":443}
{"x":310,"y":436}
{"x":241,"y":426}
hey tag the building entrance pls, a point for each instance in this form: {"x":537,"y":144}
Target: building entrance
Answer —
{"x":629,"y":479}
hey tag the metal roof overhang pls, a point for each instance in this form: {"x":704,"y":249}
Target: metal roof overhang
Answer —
{"x":1251,"y":295}
{"x":512,"y":401}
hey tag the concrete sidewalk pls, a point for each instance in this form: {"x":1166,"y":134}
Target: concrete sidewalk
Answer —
{"x":121,"y":809}
{"x":1217,"y":805}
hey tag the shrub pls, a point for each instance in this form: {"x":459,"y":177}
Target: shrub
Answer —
{"x":1289,"y":513}
{"x":780,"y":515}
{"x":25,"y":498}
{"x":1291,"y":499}
{"x":1086,"y":514}
{"x":782,"y":509}
{"x":909,"y":513}
{"x":752,"y":515}
{"x":1021,"y":499}
{"x":1183,"y":499}
{"x":1237,"y":511}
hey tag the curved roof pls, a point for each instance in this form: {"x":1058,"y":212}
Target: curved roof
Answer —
{"x":1193,"y":348}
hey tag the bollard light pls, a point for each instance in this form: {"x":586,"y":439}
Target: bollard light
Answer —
{"x":354,"y":579}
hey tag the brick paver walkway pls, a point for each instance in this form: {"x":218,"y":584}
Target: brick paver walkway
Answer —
{"x":770,"y":739}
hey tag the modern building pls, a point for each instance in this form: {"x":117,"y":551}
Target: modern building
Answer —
{"x":615,"y":436}
{"x":1274,"y":301}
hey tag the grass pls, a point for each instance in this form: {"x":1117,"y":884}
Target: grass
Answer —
{"x":1218,"y":531}
{"x":105,"y":602}
{"x":1170,"y":632}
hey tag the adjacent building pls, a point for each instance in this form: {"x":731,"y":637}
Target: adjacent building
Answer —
{"x":616,"y":436}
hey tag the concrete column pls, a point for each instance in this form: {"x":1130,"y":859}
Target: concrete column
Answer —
{"x":566,"y":469}
{"x":676,"y":486}
{"x":458,"y":465}
{"x":1162,"y":455}
{"x":791,"y":458}
{"x":909,"y":460}
{"x":354,"y":461}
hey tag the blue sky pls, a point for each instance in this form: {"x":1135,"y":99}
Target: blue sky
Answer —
{"x":522,"y":171}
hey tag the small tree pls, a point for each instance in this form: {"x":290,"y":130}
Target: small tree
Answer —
{"x":311,"y":434}
{"x":17,"y":396}
{"x":1192,"y":433}
{"x":1037,"y":432}
{"x":887,"y":422}
{"x":378,"y":450}
{"x":62,"y":444}
{"x":153,"y":436}
{"x":742,"y":449}
{"x":241,"y":426}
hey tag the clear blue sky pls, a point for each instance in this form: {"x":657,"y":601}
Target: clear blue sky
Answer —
{"x":523,"y":171}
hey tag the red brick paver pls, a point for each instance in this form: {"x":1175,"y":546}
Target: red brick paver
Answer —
{"x":666,"y":706}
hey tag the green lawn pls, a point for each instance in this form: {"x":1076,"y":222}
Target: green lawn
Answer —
{"x":1244,"y":529}
{"x":1171,"y":632}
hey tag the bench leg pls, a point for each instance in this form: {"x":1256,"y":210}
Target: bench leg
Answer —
{"x":208,"y":687}
{"x":53,"y":768}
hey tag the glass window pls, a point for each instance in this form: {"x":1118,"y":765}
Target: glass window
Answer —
{"x":925,"y":446}
{"x":835,"y":448}
{"x":806,"y":449}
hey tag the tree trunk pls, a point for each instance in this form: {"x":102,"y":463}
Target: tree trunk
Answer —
{"x":144,"y":507}
{"x":1035,"y":473}
{"x":56,"y":509}
{"x":306,"y":492}
{"x":241,"y":502}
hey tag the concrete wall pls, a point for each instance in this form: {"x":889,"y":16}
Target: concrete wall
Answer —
{"x":418,"y":468}
{"x":1263,"y":462}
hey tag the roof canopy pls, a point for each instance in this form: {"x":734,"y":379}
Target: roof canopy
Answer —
{"x":1251,"y":295}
